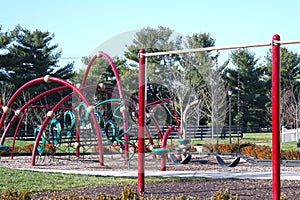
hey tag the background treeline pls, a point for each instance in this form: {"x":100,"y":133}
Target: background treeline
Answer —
{"x":198,"y":78}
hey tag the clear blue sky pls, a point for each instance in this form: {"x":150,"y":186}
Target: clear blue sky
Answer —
{"x":80,"y":26}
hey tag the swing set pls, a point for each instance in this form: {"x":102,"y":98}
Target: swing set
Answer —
{"x":275,"y":44}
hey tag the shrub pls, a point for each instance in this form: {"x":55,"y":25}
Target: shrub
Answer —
{"x":17,"y":149}
{"x":28,"y":148}
{"x":127,"y":194}
{"x":252,"y":150}
{"x":14,"y":194}
{"x":223,"y":194}
{"x":49,"y":148}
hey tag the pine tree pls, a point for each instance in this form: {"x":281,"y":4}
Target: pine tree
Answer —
{"x":35,"y":57}
{"x":289,"y":85}
{"x":247,"y":79}
{"x":5,"y":39}
{"x":30,"y":55}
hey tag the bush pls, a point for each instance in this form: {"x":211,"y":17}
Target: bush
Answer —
{"x":28,"y":148}
{"x":17,"y":149}
{"x":127,"y":194}
{"x":49,"y":148}
{"x":252,"y":150}
{"x":224,"y":194}
{"x":14,"y":194}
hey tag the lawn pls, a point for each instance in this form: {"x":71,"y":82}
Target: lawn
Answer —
{"x":14,"y":179}
{"x":41,"y":181}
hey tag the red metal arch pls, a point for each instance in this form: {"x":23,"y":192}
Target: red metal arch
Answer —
{"x":120,"y":89}
{"x":24,"y":107}
{"x":49,"y":79}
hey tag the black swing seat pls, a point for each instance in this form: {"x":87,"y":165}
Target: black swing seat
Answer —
{"x":186,"y":160}
{"x":222,"y":163}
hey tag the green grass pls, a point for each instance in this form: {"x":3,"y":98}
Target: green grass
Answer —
{"x":289,"y":146}
{"x":247,"y":137}
{"x":41,"y":181}
{"x":257,"y":137}
{"x":19,"y":143}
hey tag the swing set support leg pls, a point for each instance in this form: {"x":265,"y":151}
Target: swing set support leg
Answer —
{"x":141,"y":124}
{"x":275,"y":118}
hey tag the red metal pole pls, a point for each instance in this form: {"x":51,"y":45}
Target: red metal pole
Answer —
{"x":275,"y":117}
{"x":15,"y":134}
{"x":163,"y":145}
{"x":141,"y":124}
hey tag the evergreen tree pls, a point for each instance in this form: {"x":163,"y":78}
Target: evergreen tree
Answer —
{"x":6,"y":39}
{"x":247,"y":79}
{"x":180,"y":75}
{"x":289,"y":68}
{"x":30,"y":55}
{"x":289,"y":85}
{"x":158,"y":67}
{"x":100,"y":71}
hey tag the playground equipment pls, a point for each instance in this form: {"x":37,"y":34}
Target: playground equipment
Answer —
{"x":275,"y":43}
{"x":86,"y":117}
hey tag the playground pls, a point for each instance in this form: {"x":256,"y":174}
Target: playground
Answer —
{"x":112,"y":130}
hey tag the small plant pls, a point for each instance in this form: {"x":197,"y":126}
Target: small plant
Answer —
{"x":193,"y":149}
{"x":252,"y":150}
{"x":17,"y":149}
{"x":49,"y":148}
{"x":223,"y":194}
{"x":28,"y":148}
{"x":283,"y":196}
{"x":14,"y":194}
{"x":129,"y":194}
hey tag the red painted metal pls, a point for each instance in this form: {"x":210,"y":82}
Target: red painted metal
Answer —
{"x":15,"y":134}
{"x":81,"y":96}
{"x":14,"y":96}
{"x":166,"y":135}
{"x":25,"y":106}
{"x":120,"y":89}
{"x":163,"y":145}
{"x":69,"y":85}
{"x":275,"y":118}
{"x":43,"y":126}
{"x":141,"y":124}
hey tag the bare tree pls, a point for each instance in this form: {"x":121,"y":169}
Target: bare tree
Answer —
{"x":6,"y":92}
{"x":214,"y":99}
{"x":24,"y":97}
{"x":289,"y":106}
{"x":184,"y":91}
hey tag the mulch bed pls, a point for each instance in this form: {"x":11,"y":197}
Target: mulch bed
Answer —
{"x":246,"y":189}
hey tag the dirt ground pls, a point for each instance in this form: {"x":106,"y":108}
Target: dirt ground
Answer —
{"x":246,"y":189}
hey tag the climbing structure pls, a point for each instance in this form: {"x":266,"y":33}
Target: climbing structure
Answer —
{"x":76,"y":123}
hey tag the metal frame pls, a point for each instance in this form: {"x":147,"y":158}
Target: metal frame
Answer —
{"x":275,"y":43}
